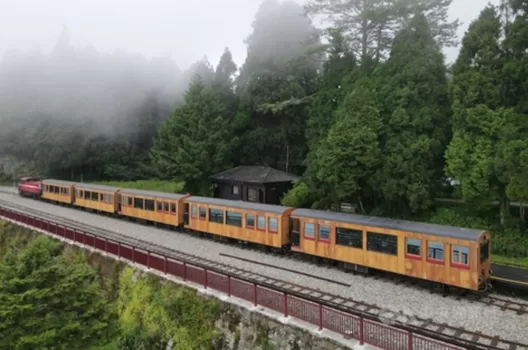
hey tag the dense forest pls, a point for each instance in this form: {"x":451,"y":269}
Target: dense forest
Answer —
{"x":55,"y":296}
{"x":363,"y":108}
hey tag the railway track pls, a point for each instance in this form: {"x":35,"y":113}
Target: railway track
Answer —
{"x":426,"y":327}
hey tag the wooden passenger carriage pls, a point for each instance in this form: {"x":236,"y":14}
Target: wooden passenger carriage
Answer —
{"x":251,"y":222}
{"x":160,"y":207}
{"x":58,"y":190}
{"x":97,"y":197}
{"x":444,"y":254}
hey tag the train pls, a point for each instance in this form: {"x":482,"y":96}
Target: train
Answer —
{"x":445,"y":256}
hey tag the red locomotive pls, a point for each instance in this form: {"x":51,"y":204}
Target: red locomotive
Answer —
{"x":30,"y":186}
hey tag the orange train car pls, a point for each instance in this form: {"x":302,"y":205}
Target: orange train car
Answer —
{"x":155,"y":206}
{"x":58,"y":190}
{"x":97,"y":197}
{"x":443,"y":254}
{"x":251,"y":222}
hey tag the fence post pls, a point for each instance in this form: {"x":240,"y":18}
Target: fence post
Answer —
{"x":285,"y":305}
{"x":361,"y":331}
{"x":410,"y":347}
{"x":320,"y":316}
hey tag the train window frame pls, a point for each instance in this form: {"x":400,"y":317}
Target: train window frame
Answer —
{"x":173,"y":208}
{"x":271,"y":229}
{"x":194,"y":211}
{"x":377,"y":237}
{"x":77,"y":193}
{"x":202,"y":210}
{"x":136,"y":201}
{"x":410,"y":255}
{"x":306,"y":235}
{"x":345,"y":237}
{"x":248,"y":225}
{"x":459,"y":264}
{"x":484,"y":253}
{"x":214,"y":218}
{"x":233,"y":218}
{"x":319,"y":237}
{"x":259,"y":222}
{"x":97,"y":196}
{"x":148,"y":204}
{"x":159,"y":206}
{"x":166,"y":207}
{"x":434,"y":260}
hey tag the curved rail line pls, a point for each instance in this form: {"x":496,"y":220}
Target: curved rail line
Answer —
{"x":425,"y":327}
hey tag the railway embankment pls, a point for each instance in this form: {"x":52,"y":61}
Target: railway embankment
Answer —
{"x":136,"y":306}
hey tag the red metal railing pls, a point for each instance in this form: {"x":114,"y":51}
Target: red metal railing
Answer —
{"x":350,"y":326}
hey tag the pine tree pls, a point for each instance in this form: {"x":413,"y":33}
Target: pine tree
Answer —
{"x":416,"y":116}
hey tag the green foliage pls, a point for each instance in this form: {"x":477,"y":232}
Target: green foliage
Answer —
{"x":149,"y":185}
{"x":299,"y":196}
{"x":163,"y":312}
{"x":48,"y":302}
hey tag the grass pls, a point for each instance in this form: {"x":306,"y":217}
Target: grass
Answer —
{"x":150,"y":185}
{"x":504,"y":260}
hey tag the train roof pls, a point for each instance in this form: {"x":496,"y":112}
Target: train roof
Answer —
{"x":157,"y":194}
{"x":97,"y":187}
{"x":277,"y":209}
{"x":394,"y":224}
{"x":58,"y":182}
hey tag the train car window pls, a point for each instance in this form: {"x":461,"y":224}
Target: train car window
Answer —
{"x":77,"y":193}
{"x":138,"y":203}
{"x":273,"y":224}
{"x":460,"y":255}
{"x":202,"y":213}
{"x":129,"y":201}
{"x":87,"y":195}
{"x":110,"y":198}
{"x":309,"y":230}
{"x":261,"y":223}
{"x":159,"y":206}
{"x":324,"y":232}
{"x":233,"y":218}
{"x":194,"y":211}
{"x":435,"y":251}
{"x":95,"y":196}
{"x":124,"y":201}
{"x":413,"y":246}
{"x":484,"y":252}
{"x":173,"y":208}
{"x":149,"y":204}
{"x":216,"y":215}
{"x":349,"y":237}
{"x":250,"y":221}
{"x":382,"y":243}
{"x":166,"y":207}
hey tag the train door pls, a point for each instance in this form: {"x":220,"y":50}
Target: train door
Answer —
{"x":186,"y":213}
{"x":295,"y":234}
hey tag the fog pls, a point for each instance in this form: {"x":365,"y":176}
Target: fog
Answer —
{"x":99,"y":64}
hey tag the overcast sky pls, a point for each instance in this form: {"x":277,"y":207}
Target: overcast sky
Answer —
{"x":184,"y":30}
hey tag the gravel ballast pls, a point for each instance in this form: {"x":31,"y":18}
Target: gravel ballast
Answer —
{"x":386,"y":294}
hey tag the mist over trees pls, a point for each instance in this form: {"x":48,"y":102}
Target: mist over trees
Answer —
{"x":76,"y":110}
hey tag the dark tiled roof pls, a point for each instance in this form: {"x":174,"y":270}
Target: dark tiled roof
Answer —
{"x":254,"y":174}
{"x":400,"y":225}
{"x":277,"y":209}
